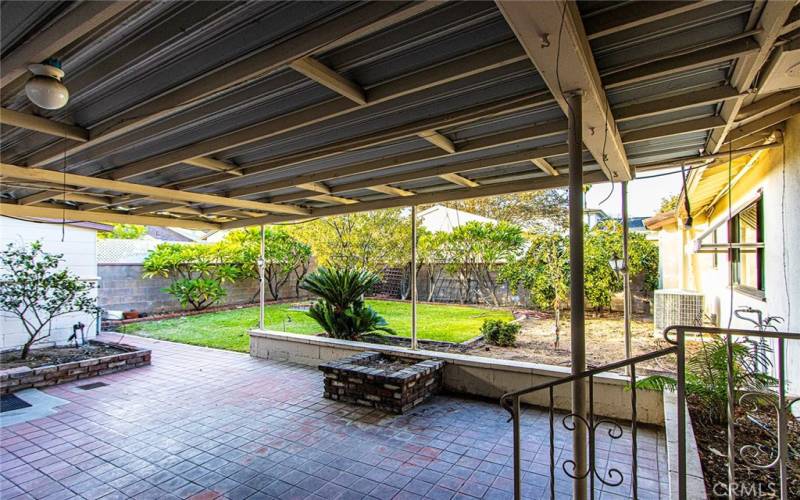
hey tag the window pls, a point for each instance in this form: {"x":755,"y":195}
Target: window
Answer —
{"x":747,"y":236}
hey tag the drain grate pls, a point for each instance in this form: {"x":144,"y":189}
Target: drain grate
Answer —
{"x":94,"y":385}
{"x":10,"y":402}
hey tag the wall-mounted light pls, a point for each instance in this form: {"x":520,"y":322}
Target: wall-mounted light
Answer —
{"x":45,"y":89}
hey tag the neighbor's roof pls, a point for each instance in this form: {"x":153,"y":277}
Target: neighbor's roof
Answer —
{"x":211,"y":115}
{"x":442,"y":218}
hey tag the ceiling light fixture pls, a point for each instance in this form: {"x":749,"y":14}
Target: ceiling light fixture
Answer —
{"x":45,"y":89}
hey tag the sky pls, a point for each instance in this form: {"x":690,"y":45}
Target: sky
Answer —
{"x":644,"y":195}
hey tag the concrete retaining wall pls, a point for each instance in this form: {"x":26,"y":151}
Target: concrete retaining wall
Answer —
{"x":472,"y":375}
{"x":123,"y":288}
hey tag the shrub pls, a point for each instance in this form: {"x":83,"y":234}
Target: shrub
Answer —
{"x":35,"y":291}
{"x":500,"y":333}
{"x":706,"y":375}
{"x":197,"y":292}
{"x":197,"y":272}
{"x":341,"y":310}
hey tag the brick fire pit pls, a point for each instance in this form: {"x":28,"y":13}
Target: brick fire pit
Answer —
{"x":385,"y":382}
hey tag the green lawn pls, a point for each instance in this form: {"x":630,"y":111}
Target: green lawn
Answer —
{"x":228,"y":329}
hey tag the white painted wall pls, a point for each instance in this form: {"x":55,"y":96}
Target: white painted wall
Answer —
{"x":80,"y":256}
{"x":780,"y":190}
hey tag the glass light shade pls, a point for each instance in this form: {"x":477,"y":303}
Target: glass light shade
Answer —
{"x":47,"y":92}
{"x":45,"y":89}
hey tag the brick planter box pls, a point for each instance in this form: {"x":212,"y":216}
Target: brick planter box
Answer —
{"x":396,"y":390}
{"x":16,"y":379}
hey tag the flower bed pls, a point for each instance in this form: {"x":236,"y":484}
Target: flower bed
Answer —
{"x":751,"y":428}
{"x":27,"y":377}
{"x":384,"y":382}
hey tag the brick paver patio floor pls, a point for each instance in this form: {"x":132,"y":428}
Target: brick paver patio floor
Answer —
{"x":204,"y":423}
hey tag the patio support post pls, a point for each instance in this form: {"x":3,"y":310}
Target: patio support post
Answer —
{"x":576,"y":292}
{"x":413,"y":276}
{"x":261,"y":265}
{"x":626,"y":277}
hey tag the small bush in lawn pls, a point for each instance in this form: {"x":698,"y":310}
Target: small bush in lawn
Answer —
{"x":500,"y":333}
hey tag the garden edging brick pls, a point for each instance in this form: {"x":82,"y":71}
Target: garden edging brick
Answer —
{"x":23,"y":377}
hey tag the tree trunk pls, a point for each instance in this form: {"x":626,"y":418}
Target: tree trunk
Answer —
{"x":27,"y":348}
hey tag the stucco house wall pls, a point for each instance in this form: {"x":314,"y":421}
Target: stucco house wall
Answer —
{"x":775,"y":176}
{"x":78,"y":248}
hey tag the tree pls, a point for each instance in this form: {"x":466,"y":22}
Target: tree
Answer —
{"x":36,"y":292}
{"x":669,"y":203}
{"x":124,"y":232}
{"x":544,"y":272}
{"x":341,"y":310}
{"x":545,"y":209}
{"x":283,"y":254}
{"x":604,"y":242}
{"x":477,"y":250}
{"x":369,"y":240}
{"x":432,"y":252}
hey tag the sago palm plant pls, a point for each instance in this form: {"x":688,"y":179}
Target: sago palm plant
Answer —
{"x":341,"y":310}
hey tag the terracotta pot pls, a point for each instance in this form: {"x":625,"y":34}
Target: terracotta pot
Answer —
{"x":130,"y":314}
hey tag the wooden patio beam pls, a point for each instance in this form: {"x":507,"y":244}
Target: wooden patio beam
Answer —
{"x":333,"y":199}
{"x":763,"y":123}
{"x":686,"y":100}
{"x":315,"y":70}
{"x":637,"y":14}
{"x":460,"y":180}
{"x":214,"y":164}
{"x":516,"y":186}
{"x":544,"y":166}
{"x":35,"y":174}
{"x":438,"y":140}
{"x":570,"y":58}
{"x":29,"y":211}
{"x":43,"y":125}
{"x":768,"y":103}
{"x":390,"y":190}
{"x":698,"y":58}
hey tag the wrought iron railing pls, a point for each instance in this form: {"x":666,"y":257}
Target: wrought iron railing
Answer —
{"x":777,"y":458}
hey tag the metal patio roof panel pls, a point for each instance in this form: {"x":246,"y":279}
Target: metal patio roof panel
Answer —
{"x":291,"y":126}
{"x":462,"y":94}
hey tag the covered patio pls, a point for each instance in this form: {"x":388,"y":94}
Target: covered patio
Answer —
{"x":242,"y":427}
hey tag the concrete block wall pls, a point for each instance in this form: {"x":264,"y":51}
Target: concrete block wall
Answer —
{"x":123,"y":288}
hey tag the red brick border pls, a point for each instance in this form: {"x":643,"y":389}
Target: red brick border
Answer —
{"x":16,"y":379}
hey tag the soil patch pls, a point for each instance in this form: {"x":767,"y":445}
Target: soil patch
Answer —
{"x":605,"y":342}
{"x":712,"y":443}
{"x":58,"y":355}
